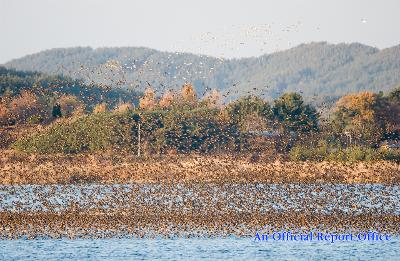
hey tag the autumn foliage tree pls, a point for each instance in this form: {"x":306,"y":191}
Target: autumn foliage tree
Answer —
{"x":26,"y":105}
{"x":99,"y":108}
{"x":361,"y":116}
{"x":148,"y":101}
{"x":70,"y":105}
{"x":4,"y":113}
{"x":188,"y":94}
{"x":124,"y":107}
{"x":213,"y":99}
{"x":167,"y":100}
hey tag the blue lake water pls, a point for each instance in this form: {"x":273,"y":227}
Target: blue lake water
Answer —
{"x":230,"y":248}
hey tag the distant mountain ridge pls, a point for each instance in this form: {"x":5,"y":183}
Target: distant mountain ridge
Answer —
{"x":320,"y":71}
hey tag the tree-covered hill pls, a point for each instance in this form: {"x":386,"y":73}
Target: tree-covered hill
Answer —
{"x":13,"y":83}
{"x":322,"y":72}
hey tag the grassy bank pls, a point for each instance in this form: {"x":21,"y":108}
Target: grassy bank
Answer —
{"x":28,"y":168}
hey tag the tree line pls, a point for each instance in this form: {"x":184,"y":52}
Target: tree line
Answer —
{"x":182,"y":122}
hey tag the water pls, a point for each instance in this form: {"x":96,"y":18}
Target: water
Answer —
{"x":230,"y":248}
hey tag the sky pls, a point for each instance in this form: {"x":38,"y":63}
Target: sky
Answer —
{"x":221,"y":28}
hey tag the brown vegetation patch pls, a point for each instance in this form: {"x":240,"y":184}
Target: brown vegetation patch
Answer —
{"x":21,"y":168}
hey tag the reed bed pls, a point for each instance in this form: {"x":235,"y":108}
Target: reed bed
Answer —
{"x":109,"y":168}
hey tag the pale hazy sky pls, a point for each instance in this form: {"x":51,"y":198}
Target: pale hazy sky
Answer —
{"x":224,"y":28}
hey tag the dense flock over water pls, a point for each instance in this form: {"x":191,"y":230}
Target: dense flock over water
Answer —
{"x":250,"y":198}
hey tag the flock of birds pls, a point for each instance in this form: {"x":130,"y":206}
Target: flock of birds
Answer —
{"x":129,"y":71}
{"x":174,"y":71}
{"x":117,"y":196}
{"x":193,"y":208}
{"x":234,"y":38}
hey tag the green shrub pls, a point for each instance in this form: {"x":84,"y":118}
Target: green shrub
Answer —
{"x":359,"y":153}
{"x":325,"y":152}
{"x":200,"y":130}
{"x":35,"y":119}
{"x":87,"y":133}
{"x":303,"y":153}
{"x":300,"y":153}
{"x":391,"y":154}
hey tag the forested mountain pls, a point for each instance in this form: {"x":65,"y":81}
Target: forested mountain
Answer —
{"x":319,"y":71}
{"x":13,"y":83}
